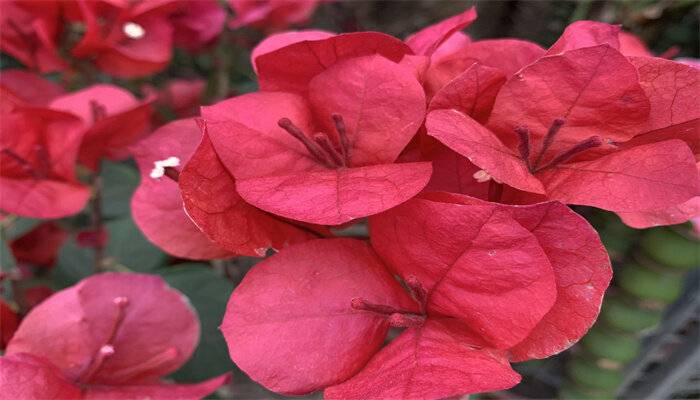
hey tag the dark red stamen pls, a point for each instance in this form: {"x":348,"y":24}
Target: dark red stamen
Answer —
{"x":495,"y":191}
{"x":343,"y":136}
{"x":98,"y":111}
{"x":24,"y":164}
{"x":313,"y":148}
{"x":591,"y":142}
{"x":418,"y":292}
{"x":325,"y":143}
{"x":524,"y":144}
{"x":548,"y":139}
{"x":406,"y":320}
{"x":361,"y":304}
{"x":172,"y":173}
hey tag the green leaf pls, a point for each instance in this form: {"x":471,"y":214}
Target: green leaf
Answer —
{"x":128,"y":247}
{"x":209,"y":293}
{"x":19,"y":226}
{"x":7,"y":260}
{"x":73,"y":264}
{"x":119,"y":181}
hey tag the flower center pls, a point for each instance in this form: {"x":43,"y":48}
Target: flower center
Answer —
{"x":524,"y":146}
{"x":396,"y":317}
{"x":329,"y":153}
{"x":166,"y":167}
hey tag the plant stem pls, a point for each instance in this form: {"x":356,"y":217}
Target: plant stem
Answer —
{"x":97,"y":222}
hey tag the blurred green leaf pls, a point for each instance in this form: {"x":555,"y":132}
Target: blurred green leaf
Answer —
{"x":209,"y":293}
{"x":19,"y":226}
{"x":73,"y":264}
{"x":118,"y":184}
{"x":128,"y":247}
{"x":7,"y":260}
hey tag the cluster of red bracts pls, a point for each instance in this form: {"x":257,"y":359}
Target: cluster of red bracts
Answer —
{"x":129,"y":38}
{"x":461,"y":155}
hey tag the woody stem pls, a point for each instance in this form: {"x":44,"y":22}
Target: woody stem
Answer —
{"x":97,"y":222}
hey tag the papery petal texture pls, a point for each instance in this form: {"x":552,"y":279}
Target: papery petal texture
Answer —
{"x":290,"y":325}
{"x":494,"y":275}
{"x":134,"y":314}
{"x":433,"y":361}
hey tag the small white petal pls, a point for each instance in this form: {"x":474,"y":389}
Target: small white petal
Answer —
{"x":133,"y":30}
{"x":159,"y":166}
{"x":481,"y":176}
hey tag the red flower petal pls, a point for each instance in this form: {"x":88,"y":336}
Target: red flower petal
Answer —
{"x":670,"y":216}
{"x":586,"y":34}
{"x":632,"y":46}
{"x":334,"y":197}
{"x":29,"y":87}
{"x":672,"y":89}
{"x":271,"y":14}
{"x":382,"y":104}
{"x":150,"y":327}
{"x":24,"y":376}
{"x":276,"y":316}
{"x":595,"y":90}
{"x":433,"y":361}
{"x":37,"y":174}
{"x":646,"y":177}
{"x":211,"y":200}
{"x":30,"y":32}
{"x":122,"y":120}
{"x":427,"y":40}
{"x":473,"y":92}
{"x":470,"y":139}
{"x":292,"y":67}
{"x":197,"y":23}
{"x":157,"y":206}
{"x":507,"y":55}
{"x":493,"y":275}
{"x":9,"y":320}
{"x":162,"y":391}
{"x":581,"y":268}
{"x":40,"y":245}
{"x":283,"y":39}
{"x":454,"y":173}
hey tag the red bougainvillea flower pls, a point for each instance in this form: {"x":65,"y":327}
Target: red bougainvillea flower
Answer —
{"x":113,"y":119}
{"x":465,"y":323}
{"x":197,"y":23}
{"x":157,"y":206}
{"x":132,"y":39}
{"x":271,"y":15}
{"x":289,"y":62}
{"x":38,"y":153}
{"x":110,"y":336}
{"x":212,"y":202}
{"x":39,"y":246}
{"x":9,"y":320}
{"x":29,"y":31}
{"x":450,"y":52}
{"x":577,"y":126}
{"x":328,"y":157}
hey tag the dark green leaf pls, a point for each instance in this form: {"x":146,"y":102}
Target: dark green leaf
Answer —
{"x":209,"y":293}
{"x":128,"y":247}
{"x":73,"y":264}
{"x":118,"y":184}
